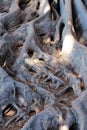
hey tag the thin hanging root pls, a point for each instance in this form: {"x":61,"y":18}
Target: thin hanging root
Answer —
{"x":55,"y":13}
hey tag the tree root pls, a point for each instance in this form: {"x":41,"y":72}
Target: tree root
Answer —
{"x":80,"y":108}
{"x":26,"y":96}
{"x":35,"y":77}
{"x":11,"y":19}
{"x":41,"y":120}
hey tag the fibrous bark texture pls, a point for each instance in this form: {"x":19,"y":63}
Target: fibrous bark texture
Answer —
{"x":43,"y":64}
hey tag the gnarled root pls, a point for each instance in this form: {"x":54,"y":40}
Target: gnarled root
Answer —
{"x":79,"y":105}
